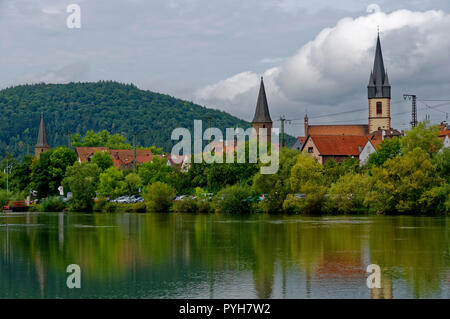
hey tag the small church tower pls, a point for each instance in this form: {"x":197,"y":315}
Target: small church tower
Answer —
{"x":262,"y":116}
{"x":379,"y":92}
{"x":42,"y":143}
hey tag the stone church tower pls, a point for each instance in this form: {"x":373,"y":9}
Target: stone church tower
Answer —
{"x":379,"y":92}
{"x":42,"y":145}
{"x":262,"y":116}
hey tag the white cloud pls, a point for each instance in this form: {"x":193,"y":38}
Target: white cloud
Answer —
{"x":67,"y":73}
{"x":335,"y":66}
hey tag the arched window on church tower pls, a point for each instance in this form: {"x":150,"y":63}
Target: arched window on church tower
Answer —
{"x":379,"y":108}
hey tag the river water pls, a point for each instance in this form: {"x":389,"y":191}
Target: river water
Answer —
{"x":220,"y":256}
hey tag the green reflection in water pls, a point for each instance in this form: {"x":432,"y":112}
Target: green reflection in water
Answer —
{"x":217,"y":256}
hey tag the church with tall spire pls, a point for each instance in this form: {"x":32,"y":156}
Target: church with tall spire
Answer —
{"x":379,"y":94}
{"x":42,"y":145}
{"x":339,"y":142}
{"x":262,"y":119}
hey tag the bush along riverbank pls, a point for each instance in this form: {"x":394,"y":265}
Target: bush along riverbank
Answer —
{"x":407,"y":175}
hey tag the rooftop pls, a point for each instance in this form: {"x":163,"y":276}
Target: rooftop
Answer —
{"x":345,"y":145}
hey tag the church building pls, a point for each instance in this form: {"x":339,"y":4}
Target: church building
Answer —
{"x":262,"y":119}
{"x":379,"y":95}
{"x":377,"y":129}
{"x":42,"y":145}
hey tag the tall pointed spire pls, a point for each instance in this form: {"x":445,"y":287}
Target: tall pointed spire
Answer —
{"x":262,"y":114}
{"x":379,"y":86}
{"x":42,"y":135}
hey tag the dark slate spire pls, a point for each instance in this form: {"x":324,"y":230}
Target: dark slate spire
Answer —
{"x":42,"y":136}
{"x":379,"y":86}
{"x":262,"y":114}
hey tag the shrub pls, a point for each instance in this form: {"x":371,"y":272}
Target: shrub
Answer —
{"x":99,"y":205}
{"x":348,"y":193}
{"x":82,"y":180}
{"x":36,"y":208}
{"x":9,"y":196}
{"x":139,"y":207}
{"x":187,"y":205}
{"x":109,"y":207}
{"x":158,"y":197}
{"x":312,"y":203}
{"x":132,"y":208}
{"x":233,"y":200}
{"x":53,"y":204}
{"x":204,"y":206}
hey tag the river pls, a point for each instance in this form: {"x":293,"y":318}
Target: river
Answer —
{"x":220,"y":256}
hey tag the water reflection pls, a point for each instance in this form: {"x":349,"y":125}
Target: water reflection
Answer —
{"x":216,"y":256}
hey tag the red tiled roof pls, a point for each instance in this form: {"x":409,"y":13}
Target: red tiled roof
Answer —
{"x":357,"y":130}
{"x":302,"y":139}
{"x":346,"y":145}
{"x":121,"y":158}
{"x":444,"y":133}
{"x":124,"y":158}
{"x":85,"y":153}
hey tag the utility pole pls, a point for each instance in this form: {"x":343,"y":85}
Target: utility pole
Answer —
{"x":282,"y":120}
{"x":8,"y":171}
{"x":134,"y":154}
{"x":7,"y":176}
{"x":413,"y":98}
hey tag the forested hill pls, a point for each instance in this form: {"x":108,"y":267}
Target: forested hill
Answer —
{"x":78,"y":107}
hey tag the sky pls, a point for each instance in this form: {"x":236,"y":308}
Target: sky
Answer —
{"x":315,"y":56}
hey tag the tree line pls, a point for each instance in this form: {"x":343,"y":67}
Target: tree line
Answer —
{"x":407,"y":175}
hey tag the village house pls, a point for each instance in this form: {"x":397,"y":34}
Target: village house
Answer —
{"x":444,"y":134}
{"x":122,"y":159}
{"x":338,"y":147}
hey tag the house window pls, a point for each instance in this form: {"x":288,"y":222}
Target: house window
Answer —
{"x":310,"y":149}
{"x":379,"y":108}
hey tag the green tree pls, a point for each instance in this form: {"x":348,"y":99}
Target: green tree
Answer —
{"x":347,"y":195}
{"x":112,"y":183}
{"x":442,"y":162}
{"x":155,"y":171}
{"x":389,"y":148}
{"x":332,"y":171}
{"x":422,"y":136}
{"x":134,"y":183}
{"x":159,"y":197}
{"x":401,"y":182}
{"x":41,"y":176}
{"x":60,"y":159}
{"x":312,"y":203}
{"x":233,"y":200}
{"x":21,"y":174}
{"x":48,"y":172}
{"x":100,"y":139}
{"x":276,"y":186}
{"x":305,"y":170}
{"x":306,"y":178}
{"x":82,"y":180}
{"x":103,"y":160}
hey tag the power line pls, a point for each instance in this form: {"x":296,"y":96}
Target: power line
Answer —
{"x":431,"y":108}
